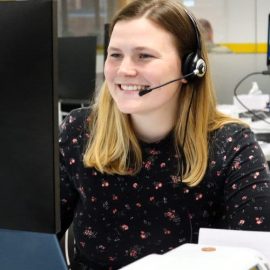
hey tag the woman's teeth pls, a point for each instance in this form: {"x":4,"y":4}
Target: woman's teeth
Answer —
{"x":127,"y":87}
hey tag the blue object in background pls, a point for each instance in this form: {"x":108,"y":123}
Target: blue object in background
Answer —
{"x":22,"y":250}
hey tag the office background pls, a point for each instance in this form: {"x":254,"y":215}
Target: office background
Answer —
{"x":241,"y":25}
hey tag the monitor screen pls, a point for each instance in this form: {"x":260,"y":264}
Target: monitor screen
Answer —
{"x":29,"y":192}
{"x":268,"y":43}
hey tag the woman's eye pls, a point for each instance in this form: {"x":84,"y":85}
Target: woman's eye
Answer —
{"x":115,"y":55}
{"x":145,"y":56}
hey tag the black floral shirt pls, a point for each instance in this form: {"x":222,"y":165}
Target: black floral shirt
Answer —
{"x":118,"y":219}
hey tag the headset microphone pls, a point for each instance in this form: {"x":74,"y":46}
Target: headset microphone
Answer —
{"x":148,"y":90}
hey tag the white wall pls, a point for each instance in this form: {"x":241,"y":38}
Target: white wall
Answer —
{"x":235,"y":21}
{"x":228,"y":69}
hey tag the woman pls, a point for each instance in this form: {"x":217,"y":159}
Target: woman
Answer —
{"x":142,"y":171}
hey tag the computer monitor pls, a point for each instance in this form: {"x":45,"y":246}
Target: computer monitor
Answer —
{"x":29,"y":181}
{"x":77,"y":68}
{"x":268,"y":44}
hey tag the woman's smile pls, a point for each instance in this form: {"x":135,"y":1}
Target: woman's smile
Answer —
{"x":132,"y":87}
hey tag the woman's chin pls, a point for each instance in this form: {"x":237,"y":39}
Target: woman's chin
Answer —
{"x":129,"y":109}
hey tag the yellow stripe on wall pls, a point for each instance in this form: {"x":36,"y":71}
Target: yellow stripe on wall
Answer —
{"x":246,"y":47}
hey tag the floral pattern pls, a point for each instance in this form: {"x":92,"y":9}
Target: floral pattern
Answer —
{"x":118,"y":219}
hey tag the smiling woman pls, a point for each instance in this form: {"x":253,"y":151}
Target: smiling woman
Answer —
{"x":141,"y":174}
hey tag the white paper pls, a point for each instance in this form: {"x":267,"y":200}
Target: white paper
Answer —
{"x":259,"y":241}
{"x":195,"y":257}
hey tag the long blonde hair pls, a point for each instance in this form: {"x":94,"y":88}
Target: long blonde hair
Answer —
{"x":113,"y":147}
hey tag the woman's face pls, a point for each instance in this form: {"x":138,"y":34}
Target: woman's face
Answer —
{"x":142,"y":54}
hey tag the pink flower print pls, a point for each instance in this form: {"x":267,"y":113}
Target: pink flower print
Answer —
{"x":213,"y":162}
{"x":229,"y":139}
{"x":175,"y":179}
{"x":237,"y":165}
{"x":82,"y":244}
{"x":259,"y":220}
{"x":170,"y":214}
{"x":124,"y":227}
{"x":234,"y":186}
{"x":71,"y":119}
{"x":152,"y":198}
{"x":71,"y":161}
{"x":114,"y":197}
{"x":148,"y":165}
{"x":89,"y":232}
{"x":135,"y":185}
{"x":256,"y":174}
{"x":251,"y":157}
{"x":241,"y":222}
{"x":139,"y":205}
{"x":162,"y":165}
{"x":154,"y":152}
{"x":166,"y":231}
{"x":236,"y":148}
{"x":101,"y":247}
{"x":143,"y":235}
{"x":114,"y":210}
{"x":133,"y":252}
{"x":105,"y":183}
{"x":198,"y":196}
{"x":158,"y":185}
{"x":93,"y":199}
{"x":74,"y":140}
{"x":186,"y":190}
{"x":254,"y":186}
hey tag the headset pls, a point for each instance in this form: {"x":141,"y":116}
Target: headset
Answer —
{"x":193,"y":61}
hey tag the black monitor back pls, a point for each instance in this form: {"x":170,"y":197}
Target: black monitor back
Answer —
{"x":77,"y":68}
{"x":29,"y":193}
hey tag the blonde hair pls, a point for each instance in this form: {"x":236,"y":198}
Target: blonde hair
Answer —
{"x":113,"y":147}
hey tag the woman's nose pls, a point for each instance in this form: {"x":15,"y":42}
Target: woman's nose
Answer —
{"x":127,"y":67}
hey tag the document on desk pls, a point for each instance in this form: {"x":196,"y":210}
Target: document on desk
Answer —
{"x":259,"y":241}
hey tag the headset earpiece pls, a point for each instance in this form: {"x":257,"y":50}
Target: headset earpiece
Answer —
{"x":188,"y":64}
{"x":200,"y":67}
{"x":193,"y":61}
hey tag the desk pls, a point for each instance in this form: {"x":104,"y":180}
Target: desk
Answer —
{"x":260,"y":128}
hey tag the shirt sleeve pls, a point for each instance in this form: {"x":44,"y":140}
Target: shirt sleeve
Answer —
{"x":247,"y":185}
{"x":70,"y":134}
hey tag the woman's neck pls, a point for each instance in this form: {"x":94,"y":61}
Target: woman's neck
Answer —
{"x":152,"y":127}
